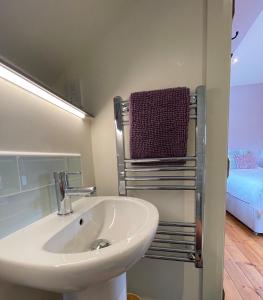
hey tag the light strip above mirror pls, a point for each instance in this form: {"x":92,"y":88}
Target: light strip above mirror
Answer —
{"x":18,"y":79}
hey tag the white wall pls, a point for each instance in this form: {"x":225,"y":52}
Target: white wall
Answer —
{"x":29,"y":124}
{"x":245,"y":117}
{"x":157,"y":44}
{"x":217,"y":72}
{"x":248,"y":68}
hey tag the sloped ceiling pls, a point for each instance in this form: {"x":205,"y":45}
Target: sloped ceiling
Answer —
{"x":44,"y":36}
{"x":247,"y":62}
{"x":246,"y":13}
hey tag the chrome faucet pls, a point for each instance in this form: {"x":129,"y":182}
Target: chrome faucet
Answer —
{"x":64,"y":192}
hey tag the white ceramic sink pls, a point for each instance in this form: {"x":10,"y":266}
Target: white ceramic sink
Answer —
{"x":55,"y":253}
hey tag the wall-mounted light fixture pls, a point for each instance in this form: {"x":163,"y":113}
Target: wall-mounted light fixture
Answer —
{"x":234,"y":60}
{"x":20,"y":80}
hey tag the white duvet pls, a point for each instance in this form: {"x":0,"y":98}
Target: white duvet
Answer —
{"x":247,"y":185}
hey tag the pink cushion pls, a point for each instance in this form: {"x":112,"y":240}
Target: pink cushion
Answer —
{"x":245,"y":160}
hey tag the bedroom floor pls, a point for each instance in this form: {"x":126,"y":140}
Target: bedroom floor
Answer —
{"x":243,"y":274}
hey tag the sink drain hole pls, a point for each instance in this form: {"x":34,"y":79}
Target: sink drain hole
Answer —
{"x":99,"y":244}
{"x":81,"y":222}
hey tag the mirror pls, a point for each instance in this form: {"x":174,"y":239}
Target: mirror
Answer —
{"x":47,"y":40}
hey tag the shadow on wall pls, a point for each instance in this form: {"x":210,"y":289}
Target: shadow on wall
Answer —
{"x":10,"y":291}
{"x":171,"y":283}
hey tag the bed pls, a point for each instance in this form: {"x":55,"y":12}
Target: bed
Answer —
{"x":245,"y":197}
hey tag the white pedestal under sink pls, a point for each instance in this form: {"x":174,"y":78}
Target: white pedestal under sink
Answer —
{"x":113,"y":289}
{"x":56,"y":253}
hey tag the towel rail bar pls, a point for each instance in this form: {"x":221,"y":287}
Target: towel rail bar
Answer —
{"x":191,"y":116}
{"x":178,"y":233}
{"x":161,"y":187}
{"x":176,"y":242}
{"x":172,"y":258}
{"x":159,"y":178}
{"x":192,"y":170}
{"x":177,"y":224}
{"x":164,"y":159}
{"x":158,"y":169}
{"x":174,"y":250}
{"x":192,"y":101}
{"x":126,"y":122}
{"x":125,"y":108}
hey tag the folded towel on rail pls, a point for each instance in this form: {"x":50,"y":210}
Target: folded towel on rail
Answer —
{"x":159,"y":123}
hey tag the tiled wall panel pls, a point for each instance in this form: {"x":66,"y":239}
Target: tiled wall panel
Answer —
{"x":27,"y":191}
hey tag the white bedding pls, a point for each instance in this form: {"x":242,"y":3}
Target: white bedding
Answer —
{"x":247,"y":185}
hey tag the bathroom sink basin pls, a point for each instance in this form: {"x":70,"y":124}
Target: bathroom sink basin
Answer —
{"x":106,"y":220}
{"x":57,"y":253}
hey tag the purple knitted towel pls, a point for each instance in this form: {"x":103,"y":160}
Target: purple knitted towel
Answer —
{"x":159,"y":123}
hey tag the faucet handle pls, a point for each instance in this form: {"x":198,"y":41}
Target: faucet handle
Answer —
{"x":62,"y":177}
{"x":66,"y":174}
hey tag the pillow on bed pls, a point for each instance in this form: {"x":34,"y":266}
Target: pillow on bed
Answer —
{"x":242,"y":159}
{"x":245,"y":160}
{"x":232,"y":161}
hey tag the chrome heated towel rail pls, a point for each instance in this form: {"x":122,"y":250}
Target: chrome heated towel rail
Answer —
{"x":175,"y":241}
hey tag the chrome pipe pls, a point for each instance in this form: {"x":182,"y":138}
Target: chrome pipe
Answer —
{"x":174,"y":250}
{"x":193,"y":97}
{"x":169,"y":241}
{"x":125,"y":107}
{"x":126,"y":114}
{"x":162,"y":187}
{"x":126,"y":122}
{"x":159,"y":169}
{"x":159,"y":178}
{"x":177,"y":224}
{"x":120,"y":145}
{"x":200,"y":149}
{"x":172,"y":258}
{"x":164,"y":159}
{"x":178,"y":233}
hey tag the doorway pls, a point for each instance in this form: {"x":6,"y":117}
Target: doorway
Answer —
{"x":243,"y":273}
